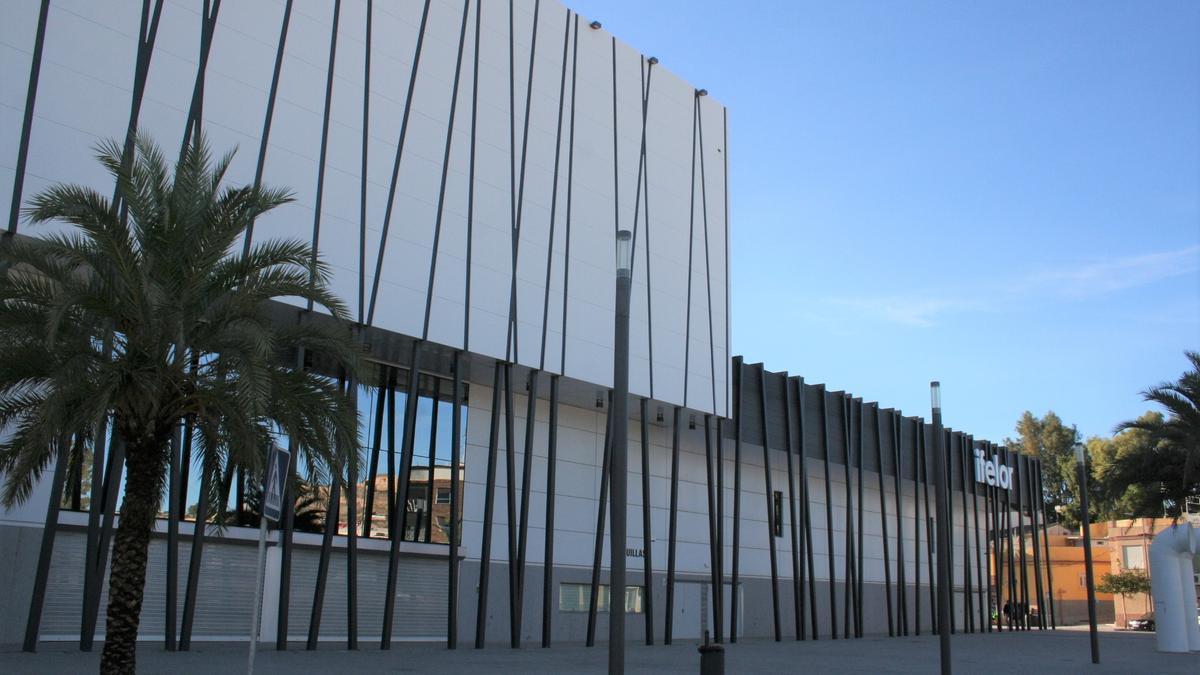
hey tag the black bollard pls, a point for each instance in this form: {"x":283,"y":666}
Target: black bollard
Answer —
{"x":712,"y":658}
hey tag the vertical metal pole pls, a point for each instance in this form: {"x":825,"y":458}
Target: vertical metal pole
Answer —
{"x":941,"y":490}
{"x":376,"y":448}
{"x":709,"y":493}
{"x":35,"y":69}
{"x":858,"y":569}
{"x":601,"y":509}
{"x":1046,"y":547}
{"x":797,"y":572}
{"x":887,"y":562}
{"x":719,"y":600}
{"x":968,"y":594}
{"x":948,"y":482}
{"x":982,"y":584}
{"x":34,"y":620}
{"x":1033,"y":533}
{"x":399,"y":506}
{"x":930,"y":536}
{"x":771,"y":525}
{"x":456,"y":505}
{"x":208,"y":468}
{"x":647,"y":538}
{"x":672,"y":520}
{"x":511,"y":526}
{"x":259,"y":564}
{"x":1012,"y":564}
{"x":551,"y":471}
{"x":285,"y":547}
{"x":850,"y":616}
{"x":1018,"y":478}
{"x":739,"y":382}
{"x":112,"y":485}
{"x":173,"y":517}
{"x":526,"y":485}
{"x":918,"y":463}
{"x":352,"y":529}
{"x":1081,"y":456}
{"x":331,"y":524}
{"x":96,"y":497}
{"x":828,"y":512}
{"x":489,"y":508}
{"x":808,"y":561}
{"x":898,"y":486}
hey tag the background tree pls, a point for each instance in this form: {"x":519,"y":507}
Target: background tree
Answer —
{"x":1049,"y":439}
{"x":1175,"y":459}
{"x":1125,"y":584}
{"x":164,"y":286}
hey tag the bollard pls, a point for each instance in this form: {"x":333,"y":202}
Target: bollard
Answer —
{"x":712,"y":658}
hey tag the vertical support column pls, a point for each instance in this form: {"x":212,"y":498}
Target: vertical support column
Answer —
{"x":672,"y":522}
{"x":510,"y":468}
{"x":828,"y":511}
{"x":551,"y":476}
{"x":196,"y":555}
{"x":601,"y":505}
{"x":34,"y":619}
{"x":808,"y":562}
{"x":526,"y":485}
{"x":883,"y":522}
{"x":1019,"y":488}
{"x":771,"y":525}
{"x":400,"y":504}
{"x":981,"y":582}
{"x":739,"y":383}
{"x":647,"y":535}
{"x":858,"y":569}
{"x":456,"y":501}
{"x":711,"y":497}
{"x":797,"y":570}
{"x":719,"y":607}
{"x":898,"y":486}
{"x":918,"y":524}
{"x":1046,"y":547}
{"x":1033,"y":533}
{"x":1012,"y":565}
{"x":489,"y":509}
{"x":923,"y":448}
{"x":849,"y":596}
{"x":331,"y":524}
{"x":35,"y":70}
{"x":352,"y":531}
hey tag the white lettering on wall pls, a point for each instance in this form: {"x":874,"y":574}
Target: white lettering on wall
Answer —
{"x":992,"y":471}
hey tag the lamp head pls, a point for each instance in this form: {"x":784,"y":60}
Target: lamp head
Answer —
{"x":935,"y":395}
{"x":624,"y":252}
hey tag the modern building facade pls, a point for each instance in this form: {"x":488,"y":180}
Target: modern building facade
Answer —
{"x":463,"y":167}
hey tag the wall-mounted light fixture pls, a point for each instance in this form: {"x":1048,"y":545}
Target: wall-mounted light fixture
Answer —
{"x":659,"y":416}
{"x":652,"y":60}
{"x":599,"y":400}
{"x":692,"y":422}
{"x":702,"y":92}
{"x":595,"y":25}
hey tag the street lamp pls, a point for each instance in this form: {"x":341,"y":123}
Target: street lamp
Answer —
{"x":620,"y":453}
{"x":942,"y":506}
{"x":1085,"y":520}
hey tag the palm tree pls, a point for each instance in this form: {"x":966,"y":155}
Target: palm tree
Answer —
{"x":143,"y":312}
{"x":1179,"y":432}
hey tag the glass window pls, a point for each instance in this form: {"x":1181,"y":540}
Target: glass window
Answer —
{"x":778,"y":507}
{"x":443,"y":495}
{"x":576,"y":598}
{"x":1133,"y":557}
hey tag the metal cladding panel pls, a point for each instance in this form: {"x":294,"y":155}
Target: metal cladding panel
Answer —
{"x":511,"y":168}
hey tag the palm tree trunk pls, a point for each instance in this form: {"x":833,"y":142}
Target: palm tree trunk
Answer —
{"x":126,"y":584}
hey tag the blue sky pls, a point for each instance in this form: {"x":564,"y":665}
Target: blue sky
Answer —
{"x":1004,"y":196}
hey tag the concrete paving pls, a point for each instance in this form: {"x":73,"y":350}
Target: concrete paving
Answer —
{"x":1064,"y":651}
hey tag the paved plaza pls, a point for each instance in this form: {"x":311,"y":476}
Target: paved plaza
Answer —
{"x":1064,"y":651}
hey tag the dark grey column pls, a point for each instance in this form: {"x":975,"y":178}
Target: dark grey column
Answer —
{"x":898,"y":485}
{"x":489,"y":508}
{"x":766,"y":440}
{"x":1046,"y":546}
{"x":601,"y":506}
{"x":737,"y":489}
{"x":330,"y":529}
{"x":710,"y":494}
{"x":34,"y":619}
{"x":828,"y":511}
{"x":672,"y":520}
{"x":797,"y":571}
{"x":285,"y":548}
{"x":850,"y":615}
{"x":526,"y":485}
{"x":351,"y":531}
{"x":551,"y":470}
{"x":1033,"y":533}
{"x":510,"y":491}
{"x":456,"y":500}
{"x":35,"y":69}
{"x":399,"y":507}
{"x":918,"y":524}
{"x":887,"y":557}
{"x":647,"y":535}
{"x":808,"y":561}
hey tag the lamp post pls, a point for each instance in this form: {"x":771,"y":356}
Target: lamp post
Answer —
{"x":620,"y":453}
{"x":1085,"y":525}
{"x":942,"y":506}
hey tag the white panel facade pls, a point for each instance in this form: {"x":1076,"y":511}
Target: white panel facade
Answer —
{"x":507,"y":126}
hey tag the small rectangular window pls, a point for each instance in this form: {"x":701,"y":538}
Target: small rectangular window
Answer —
{"x":577,"y":598}
{"x":443,"y":495}
{"x":1133,"y":557}
{"x":778,"y":506}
